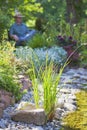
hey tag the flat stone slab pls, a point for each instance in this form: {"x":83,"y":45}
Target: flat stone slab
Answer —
{"x":29,"y":115}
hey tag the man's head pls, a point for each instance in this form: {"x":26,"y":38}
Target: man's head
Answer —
{"x":18,"y":17}
{"x":18,"y":20}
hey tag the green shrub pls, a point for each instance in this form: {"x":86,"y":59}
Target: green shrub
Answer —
{"x":37,"y":41}
{"x":8,"y":71}
{"x":4,"y":24}
{"x":55,"y":54}
{"x":51,"y":31}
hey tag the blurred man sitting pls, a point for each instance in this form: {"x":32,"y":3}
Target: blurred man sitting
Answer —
{"x":19,"y":31}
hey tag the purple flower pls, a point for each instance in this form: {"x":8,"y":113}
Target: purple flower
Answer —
{"x":70,"y":38}
{"x":61,"y":38}
{"x":65,"y":41}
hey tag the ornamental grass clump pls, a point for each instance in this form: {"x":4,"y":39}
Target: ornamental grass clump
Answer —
{"x":33,"y":76}
{"x":50,"y":82}
{"x":45,"y":87}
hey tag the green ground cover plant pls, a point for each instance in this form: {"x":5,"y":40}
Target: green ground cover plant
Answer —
{"x":78,"y":120}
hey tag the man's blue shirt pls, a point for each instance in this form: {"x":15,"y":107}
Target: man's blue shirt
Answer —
{"x":19,"y":29}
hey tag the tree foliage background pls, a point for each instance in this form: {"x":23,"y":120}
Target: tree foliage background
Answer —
{"x":74,"y":11}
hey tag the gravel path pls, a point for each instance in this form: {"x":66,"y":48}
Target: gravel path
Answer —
{"x":71,"y":82}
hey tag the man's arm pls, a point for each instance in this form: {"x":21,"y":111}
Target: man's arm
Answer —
{"x":15,"y":37}
{"x":12,"y":35}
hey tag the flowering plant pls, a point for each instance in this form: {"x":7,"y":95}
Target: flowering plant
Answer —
{"x":66,"y":41}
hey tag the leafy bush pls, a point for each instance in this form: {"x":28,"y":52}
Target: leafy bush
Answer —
{"x":4,"y":24}
{"x":37,"y":41}
{"x":51,"y":30}
{"x":8,"y":71}
{"x":55,"y":54}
